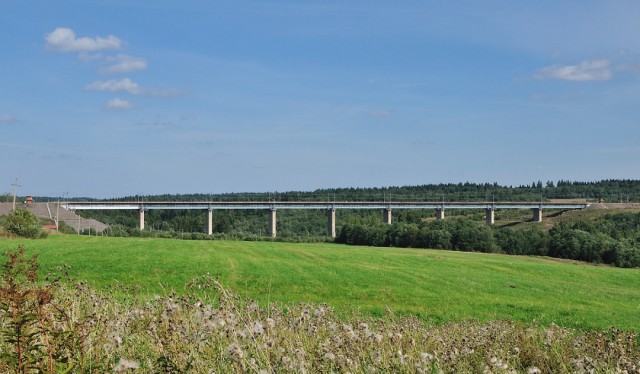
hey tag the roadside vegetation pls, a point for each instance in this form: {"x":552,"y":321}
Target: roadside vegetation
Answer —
{"x":22,"y":223}
{"x":62,"y":325}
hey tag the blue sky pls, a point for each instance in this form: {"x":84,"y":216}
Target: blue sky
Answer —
{"x":126,"y":97}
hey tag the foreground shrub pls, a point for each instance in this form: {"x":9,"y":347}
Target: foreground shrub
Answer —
{"x":209,"y":329}
{"x":23,"y":223}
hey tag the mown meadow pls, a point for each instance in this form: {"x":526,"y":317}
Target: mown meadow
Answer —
{"x":433,"y":285}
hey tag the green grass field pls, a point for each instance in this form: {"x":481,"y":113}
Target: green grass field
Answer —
{"x":437,"y":286}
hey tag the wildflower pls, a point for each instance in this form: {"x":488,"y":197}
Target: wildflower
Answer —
{"x":319,"y":313}
{"x":257,"y":329}
{"x":270,"y":323}
{"x":218,"y":323}
{"x":352,"y":335}
{"x":286,"y":362}
{"x":242,"y":334}
{"x":426,"y":357}
{"x":300,"y":353}
{"x":533,"y":370}
{"x":402,"y":358}
{"x":377,"y":356}
{"x":252,"y":307}
{"x":117,"y":339}
{"x":329,"y":356}
{"x":124,"y":365}
{"x":235,"y":352}
{"x":305,"y":314}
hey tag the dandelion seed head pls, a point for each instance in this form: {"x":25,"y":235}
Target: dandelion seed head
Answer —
{"x":235,"y":352}
{"x":124,"y":365}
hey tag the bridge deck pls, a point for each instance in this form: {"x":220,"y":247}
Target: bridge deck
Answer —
{"x":275,"y":205}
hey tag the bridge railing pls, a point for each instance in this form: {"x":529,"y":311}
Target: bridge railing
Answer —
{"x":200,"y":205}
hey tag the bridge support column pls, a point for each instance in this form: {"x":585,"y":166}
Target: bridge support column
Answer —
{"x":491,"y":216}
{"x":331,"y":223}
{"x":387,"y":217}
{"x":440,"y":213}
{"x":537,"y":214}
{"x":272,"y":223}
{"x":209,"y":228}
{"x":141,"y":219}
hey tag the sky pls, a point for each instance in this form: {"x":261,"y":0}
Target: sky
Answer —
{"x":126,"y":97}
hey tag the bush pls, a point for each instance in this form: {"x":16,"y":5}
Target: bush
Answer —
{"x":471,"y":236}
{"x":626,"y":256}
{"x":23,"y":223}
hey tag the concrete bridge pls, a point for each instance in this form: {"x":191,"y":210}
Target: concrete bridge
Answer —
{"x":329,"y":207}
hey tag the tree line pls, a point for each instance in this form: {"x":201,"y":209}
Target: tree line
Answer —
{"x":612,"y":239}
{"x":611,"y":190}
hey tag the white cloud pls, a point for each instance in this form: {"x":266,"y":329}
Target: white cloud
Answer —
{"x":597,"y":70}
{"x":126,"y":85}
{"x":5,"y":118}
{"x":118,"y":104}
{"x":64,"y":39}
{"x":125,"y":64}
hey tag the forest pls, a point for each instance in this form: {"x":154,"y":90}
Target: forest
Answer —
{"x":609,"y":190}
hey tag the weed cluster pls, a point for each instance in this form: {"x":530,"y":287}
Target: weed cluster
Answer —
{"x":67,"y":326}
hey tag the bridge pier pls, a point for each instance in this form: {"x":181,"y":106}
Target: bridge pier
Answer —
{"x":491,"y":216}
{"x":141,"y":219}
{"x":209,"y":227}
{"x":387,"y":217}
{"x":272,"y":223}
{"x":440,"y":213}
{"x":331,"y":223}
{"x":537,"y":214}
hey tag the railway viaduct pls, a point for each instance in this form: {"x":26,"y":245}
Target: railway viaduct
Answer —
{"x":330,"y":207}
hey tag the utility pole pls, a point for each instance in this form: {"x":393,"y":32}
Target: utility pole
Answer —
{"x":15,"y":187}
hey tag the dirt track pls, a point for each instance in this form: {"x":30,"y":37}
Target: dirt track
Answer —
{"x":615,"y":206}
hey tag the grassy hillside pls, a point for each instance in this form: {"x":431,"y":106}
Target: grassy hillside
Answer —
{"x":434,"y":285}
